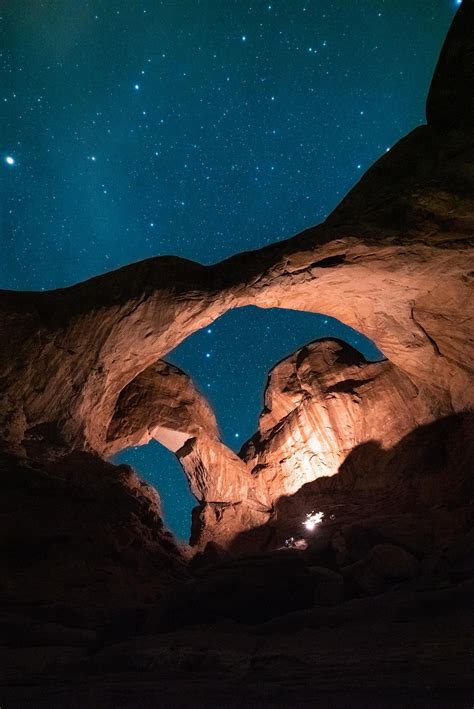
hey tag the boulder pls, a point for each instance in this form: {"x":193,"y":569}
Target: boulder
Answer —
{"x":392,"y":562}
{"x":328,"y":586}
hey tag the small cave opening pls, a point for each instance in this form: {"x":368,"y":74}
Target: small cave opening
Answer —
{"x":229,"y":362}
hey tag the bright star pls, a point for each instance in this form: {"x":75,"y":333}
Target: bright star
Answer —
{"x":244,"y":38}
{"x":136,"y":87}
{"x":9,"y":160}
{"x":208,"y":354}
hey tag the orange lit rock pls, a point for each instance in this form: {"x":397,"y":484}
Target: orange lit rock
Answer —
{"x":320,"y":404}
{"x":394,"y":261}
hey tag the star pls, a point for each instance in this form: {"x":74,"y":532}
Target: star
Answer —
{"x":9,"y":160}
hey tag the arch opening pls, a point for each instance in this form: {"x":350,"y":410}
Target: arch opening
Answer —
{"x":229,"y":362}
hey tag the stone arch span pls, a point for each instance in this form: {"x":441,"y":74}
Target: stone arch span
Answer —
{"x":393,"y":261}
{"x":69,"y":353}
{"x":230,"y":363}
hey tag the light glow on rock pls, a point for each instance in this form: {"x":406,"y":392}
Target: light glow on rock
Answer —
{"x":313,"y":519}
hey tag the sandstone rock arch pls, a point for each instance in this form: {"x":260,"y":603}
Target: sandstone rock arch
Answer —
{"x":393,"y":261}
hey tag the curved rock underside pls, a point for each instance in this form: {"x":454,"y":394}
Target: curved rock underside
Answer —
{"x":81,"y":368}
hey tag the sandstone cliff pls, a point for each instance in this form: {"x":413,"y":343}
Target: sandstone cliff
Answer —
{"x":392,"y":261}
{"x":99,"y":606}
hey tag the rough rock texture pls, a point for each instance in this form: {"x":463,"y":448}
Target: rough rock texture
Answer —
{"x":328,"y":412}
{"x":392,"y":261}
{"x":97,"y":605}
{"x":320,"y":404}
{"x":101,"y":612}
{"x":162,"y":403}
{"x":97,"y":609}
{"x":80,"y":367}
{"x":82,"y":532}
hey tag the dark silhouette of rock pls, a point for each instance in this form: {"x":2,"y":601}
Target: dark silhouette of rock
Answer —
{"x":82,"y":533}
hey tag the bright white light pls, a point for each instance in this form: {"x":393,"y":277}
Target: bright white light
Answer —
{"x":313,"y":519}
{"x":136,"y":87}
{"x":10,"y":160}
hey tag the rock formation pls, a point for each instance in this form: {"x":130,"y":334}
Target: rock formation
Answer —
{"x":83,"y":533}
{"x":320,"y":404}
{"x":392,"y":261}
{"x":96,"y":588}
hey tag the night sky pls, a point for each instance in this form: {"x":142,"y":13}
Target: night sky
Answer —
{"x":140,"y":128}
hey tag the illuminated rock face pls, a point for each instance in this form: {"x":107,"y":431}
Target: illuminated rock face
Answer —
{"x":320,"y":404}
{"x":80,"y":367}
{"x":162,"y":403}
{"x":323,"y":404}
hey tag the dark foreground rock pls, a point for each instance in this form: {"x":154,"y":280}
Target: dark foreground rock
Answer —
{"x":82,"y":533}
{"x":99,"y":607}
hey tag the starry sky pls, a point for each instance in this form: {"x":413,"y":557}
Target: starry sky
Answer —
{"x":135,"y":128}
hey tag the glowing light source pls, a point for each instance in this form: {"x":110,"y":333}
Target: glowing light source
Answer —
{"x":313,"y":519}
{"x":10,"y":160}
{"x":292,"y":543}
